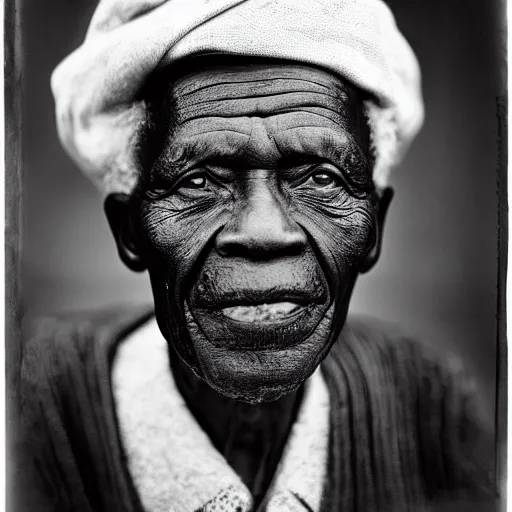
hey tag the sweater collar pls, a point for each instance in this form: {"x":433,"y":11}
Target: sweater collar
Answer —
{"x":173,"y":463}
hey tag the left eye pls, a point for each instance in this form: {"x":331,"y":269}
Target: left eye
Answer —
{"x":323,"y":178}
{"x":198,"y":181}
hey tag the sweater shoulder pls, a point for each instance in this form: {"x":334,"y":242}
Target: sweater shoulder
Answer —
{"x":64,"y":352}
{"x":425,"y":393}
{"x":377,"y":341}
{"x":376,"y":358}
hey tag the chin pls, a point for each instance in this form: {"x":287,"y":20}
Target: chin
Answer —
{"x":255,"y":374}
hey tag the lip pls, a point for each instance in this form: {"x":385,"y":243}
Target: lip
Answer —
{"x":272,"y":334}
{"x":248,"y":298}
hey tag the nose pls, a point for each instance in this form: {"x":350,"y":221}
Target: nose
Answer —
{"x":263,"y":227}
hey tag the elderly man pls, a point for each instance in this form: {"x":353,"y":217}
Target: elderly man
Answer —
{"x":243,"y":148}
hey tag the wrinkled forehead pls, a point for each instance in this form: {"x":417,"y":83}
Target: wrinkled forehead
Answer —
{"x":260,"y":89}
{"x":218,"y":99}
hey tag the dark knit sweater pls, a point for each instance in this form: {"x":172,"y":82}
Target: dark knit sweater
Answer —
{"x":405,"y":430}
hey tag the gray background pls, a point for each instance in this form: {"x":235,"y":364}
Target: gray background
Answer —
{"x":437,"y":276}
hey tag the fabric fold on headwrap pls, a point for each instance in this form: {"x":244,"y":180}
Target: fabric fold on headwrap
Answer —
{"x":97,"y":88}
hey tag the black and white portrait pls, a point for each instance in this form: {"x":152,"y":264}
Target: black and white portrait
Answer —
{"x":261,"y":255}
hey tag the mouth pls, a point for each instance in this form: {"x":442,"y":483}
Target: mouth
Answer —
{"x":273,"y":323}
{"x":263,"y":313}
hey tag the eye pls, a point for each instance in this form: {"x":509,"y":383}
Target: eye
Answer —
{"x":195,"y":182}
{"x":324,"y":177}
{"x":184,"y":186}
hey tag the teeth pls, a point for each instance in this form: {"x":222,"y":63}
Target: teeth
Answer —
{"x":261,"y":312}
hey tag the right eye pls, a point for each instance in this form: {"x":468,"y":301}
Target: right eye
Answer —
{"x":195,"y":182}
{"x":187,"y":184}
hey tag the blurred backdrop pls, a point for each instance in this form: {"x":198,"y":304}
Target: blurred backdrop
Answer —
{"x":437,"y":276}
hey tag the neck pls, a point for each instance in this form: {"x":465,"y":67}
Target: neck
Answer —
{"x":250,"y":436}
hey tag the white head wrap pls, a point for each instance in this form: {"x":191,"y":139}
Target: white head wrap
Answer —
{"x":96,"y":87}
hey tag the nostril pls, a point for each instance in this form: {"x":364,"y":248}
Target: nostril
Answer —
{"x":229,"y":244}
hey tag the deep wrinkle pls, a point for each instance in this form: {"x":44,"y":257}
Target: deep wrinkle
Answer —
{"x":229,"y":146}
{"x":346,"y":157}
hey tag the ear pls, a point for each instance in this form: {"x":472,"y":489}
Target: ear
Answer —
{"x":120,"y":212}
{"x":383,"y":201}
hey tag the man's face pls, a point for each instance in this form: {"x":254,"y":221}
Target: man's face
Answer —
{"x":256,"y":213}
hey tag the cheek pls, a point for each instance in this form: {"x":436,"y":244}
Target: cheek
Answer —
{"x":343,"y":239}
{"x":173,"y":244}
{"x":175,"y":240}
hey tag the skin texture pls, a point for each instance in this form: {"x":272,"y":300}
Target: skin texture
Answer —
{"x":256,"y":187}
